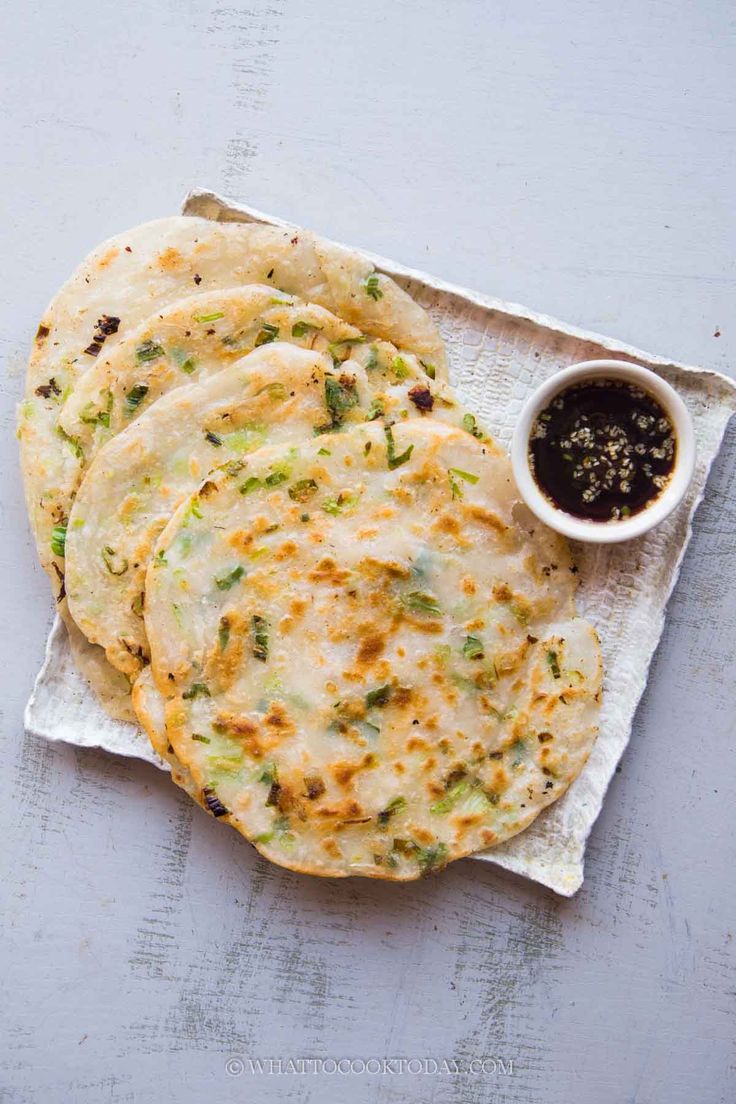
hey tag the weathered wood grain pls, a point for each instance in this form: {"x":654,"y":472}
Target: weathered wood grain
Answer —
{"x":574,"y":156}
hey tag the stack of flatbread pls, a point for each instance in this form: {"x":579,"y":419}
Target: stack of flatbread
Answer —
{"x":280,"y":543}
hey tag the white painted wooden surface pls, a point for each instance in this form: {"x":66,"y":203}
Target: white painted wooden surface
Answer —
{"x":574,"y":155}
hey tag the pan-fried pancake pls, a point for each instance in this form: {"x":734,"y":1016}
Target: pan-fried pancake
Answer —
{"x":277,"y":393}
{"x":146,"y":269}
{"x":197,"y":337}
{"x":371,"y":662}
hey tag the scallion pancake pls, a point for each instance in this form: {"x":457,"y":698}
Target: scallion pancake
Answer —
{"x":196,"y":338}
{"x":127,"y":278}
{"x":278,"y":393}
{"x":146,"y":269}
{"x":371,"y":663}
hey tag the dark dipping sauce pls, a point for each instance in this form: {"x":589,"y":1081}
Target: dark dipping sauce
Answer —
{"x":603,"y":450}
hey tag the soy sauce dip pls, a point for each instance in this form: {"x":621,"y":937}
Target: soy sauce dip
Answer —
{"x":602,"y":450}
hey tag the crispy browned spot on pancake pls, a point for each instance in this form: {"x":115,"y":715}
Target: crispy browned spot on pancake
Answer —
{"x":277,"y":718}
{"x":347,"y":809}
{"x":223,"y":665}
{"x":107,"y":258}
{"x":373,"y":568}
{"x":372,"y":644}
{"x":344,"y":772}
{"x":486,"y":517}
{"x":328,"y":571}
{"x":170,"y":259}
{"x":509,"y":661}
{"x":449,"y":525}
{"x":236,"y":724}
{"x":288,"y":548}
{"x":207,"y":489}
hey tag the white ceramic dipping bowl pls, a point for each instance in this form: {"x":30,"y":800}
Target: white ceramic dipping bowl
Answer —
{"x":604,"y":532}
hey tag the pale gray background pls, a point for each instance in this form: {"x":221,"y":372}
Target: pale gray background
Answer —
{"x":574,"y":155}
